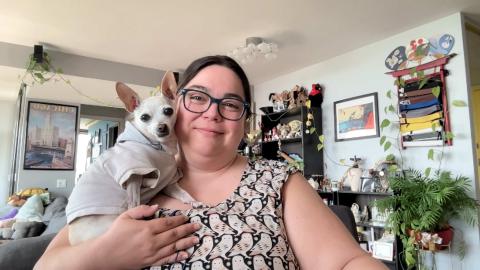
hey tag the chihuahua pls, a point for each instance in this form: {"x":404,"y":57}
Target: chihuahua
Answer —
{"x":133,"y":171}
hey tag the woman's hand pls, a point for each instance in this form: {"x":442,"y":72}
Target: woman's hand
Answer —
{"x":130,"y":243}
{"x":133,"y":243}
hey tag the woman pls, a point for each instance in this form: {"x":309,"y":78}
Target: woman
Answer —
{"x":253,"y":215}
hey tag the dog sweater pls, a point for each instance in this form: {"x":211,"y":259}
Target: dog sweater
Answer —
{"x":130,"y":173}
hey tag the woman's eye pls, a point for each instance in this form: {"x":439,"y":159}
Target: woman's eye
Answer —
{"x":197,"y":98}
{"x":231,"y":105}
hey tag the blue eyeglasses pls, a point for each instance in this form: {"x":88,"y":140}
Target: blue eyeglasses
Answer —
{"x":230,"y":108}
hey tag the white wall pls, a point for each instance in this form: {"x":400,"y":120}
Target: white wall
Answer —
{"x":362,"y":71}
{"x":7,"y":111}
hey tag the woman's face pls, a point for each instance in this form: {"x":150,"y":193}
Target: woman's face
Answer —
{"x":208,"y":133}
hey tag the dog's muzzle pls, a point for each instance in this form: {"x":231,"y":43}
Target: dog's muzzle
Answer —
{"x":162,"y":130}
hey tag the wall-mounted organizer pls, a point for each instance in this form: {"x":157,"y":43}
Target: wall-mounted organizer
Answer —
{"x":423,"y":105}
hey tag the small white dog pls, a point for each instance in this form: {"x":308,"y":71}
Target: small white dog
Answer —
{"x":133,"y":171}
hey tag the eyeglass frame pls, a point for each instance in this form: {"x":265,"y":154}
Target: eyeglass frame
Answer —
{"x":217,"y":101}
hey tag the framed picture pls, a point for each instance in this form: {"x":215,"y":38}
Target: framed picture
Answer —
{"x":51,"y":136}
{"x":356,"y":118}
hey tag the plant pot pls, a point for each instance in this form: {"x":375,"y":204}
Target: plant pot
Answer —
{"x":446,"y":235}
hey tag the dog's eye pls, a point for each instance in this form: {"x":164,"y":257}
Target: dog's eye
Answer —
{"x":168,"y":111}
{"x":145,"y":117}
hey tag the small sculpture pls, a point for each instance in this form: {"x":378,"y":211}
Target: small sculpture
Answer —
{"x":352,"y":177}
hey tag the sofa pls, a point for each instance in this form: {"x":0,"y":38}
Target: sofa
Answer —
{"x":23,"y":253}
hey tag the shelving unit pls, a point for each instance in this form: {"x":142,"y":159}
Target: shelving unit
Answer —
{"x":347,"y":198}
{"x":305,"y":145}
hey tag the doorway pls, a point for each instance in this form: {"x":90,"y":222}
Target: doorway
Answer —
{"x":96,"y":136}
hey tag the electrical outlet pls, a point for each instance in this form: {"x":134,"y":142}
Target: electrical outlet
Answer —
{"x":61,"y":183}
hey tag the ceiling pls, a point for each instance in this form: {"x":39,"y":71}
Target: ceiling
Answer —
{"x":168,"y":35}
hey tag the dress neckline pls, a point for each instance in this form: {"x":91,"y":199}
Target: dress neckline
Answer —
{"x":231,"y":197}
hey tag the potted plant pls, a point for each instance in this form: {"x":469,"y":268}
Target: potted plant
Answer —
{"x":421,"y":208}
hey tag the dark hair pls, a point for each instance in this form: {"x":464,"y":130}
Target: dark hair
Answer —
{"x":198,"y":65}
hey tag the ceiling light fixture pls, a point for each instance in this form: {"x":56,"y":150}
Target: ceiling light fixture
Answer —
{"x":254,"y":48}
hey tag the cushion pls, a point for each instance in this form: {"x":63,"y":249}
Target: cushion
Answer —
{"x":55,"y":209}
{"x":32,"y":210}
{"x":23,"y":253}
{"x":27,"y":229}
{"x":13,"y":212}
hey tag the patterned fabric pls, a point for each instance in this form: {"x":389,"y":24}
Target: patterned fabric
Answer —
{"x":246,"y":231}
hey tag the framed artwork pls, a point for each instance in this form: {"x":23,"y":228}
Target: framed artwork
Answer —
{"x":51,"y":136}
{"x":356,"y":118}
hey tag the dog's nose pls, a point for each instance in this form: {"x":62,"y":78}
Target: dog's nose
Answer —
{"x":162,"y":130}
{"x":168,"y":111}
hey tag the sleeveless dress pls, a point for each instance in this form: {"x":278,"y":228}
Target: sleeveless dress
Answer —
{"x":246,"y":231}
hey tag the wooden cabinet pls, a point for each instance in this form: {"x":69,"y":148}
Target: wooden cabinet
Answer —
{"x":305,"y":145}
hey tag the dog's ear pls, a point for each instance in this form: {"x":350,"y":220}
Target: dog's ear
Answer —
{"x":169,"y":85}
{"x":130,"y":98}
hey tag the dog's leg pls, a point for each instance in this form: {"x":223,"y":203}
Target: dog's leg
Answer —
{"x":133,"y":187}
{"x":89,"y":227}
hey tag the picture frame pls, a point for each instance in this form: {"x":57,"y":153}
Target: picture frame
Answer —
{"x":356,"y":117}
{"x":51,"y":136}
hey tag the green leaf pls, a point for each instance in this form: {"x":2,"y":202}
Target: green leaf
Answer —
{"x":385,"y":123}
{"x":422,"y":83}
{"x":387,"y":146}
{"x":390,"y":157}
{"x":449,"y":135}
{"x":420,"y":74}
{"x":59,"y":71}
{"x":389,"y":93}
{"x":459,"y":103}
{"x":436,"y":91}
{"x":434,"y":125}
{"x":413,"y":71}
{"x":391,"y":108}
{"x":321,"y":138}
{"x":319,"y":146}
{"x":38,"y":75}
{"x":427,"y":171}
{"x":401,"y":82}
{"x":382,"y":140}
{"x":430,"y":154}
{"x":385,"y":109}
{"x":312,"y":130}
{"x":342,"y":161}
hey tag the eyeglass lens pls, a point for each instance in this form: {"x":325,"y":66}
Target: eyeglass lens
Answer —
{"x":199,"y":102}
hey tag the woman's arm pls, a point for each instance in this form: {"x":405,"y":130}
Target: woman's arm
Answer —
{"x":318,"y":238}
{"x":130,"y":243}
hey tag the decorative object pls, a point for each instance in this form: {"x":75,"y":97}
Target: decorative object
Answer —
{"x":316,"y":95}
{"x":40,"y":69}
{"x":426,"y":204}
{"x":51,"y":136}
{"x":352,"y":177}
{"x":420,"y":50}
{"x":255,"y":47}
{"x":356,"y":117}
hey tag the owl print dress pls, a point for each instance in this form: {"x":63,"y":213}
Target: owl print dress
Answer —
{"x":246,"y":231}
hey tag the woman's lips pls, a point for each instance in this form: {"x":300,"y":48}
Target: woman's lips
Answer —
{"x":208,"y":131}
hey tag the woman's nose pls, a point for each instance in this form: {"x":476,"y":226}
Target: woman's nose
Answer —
{"x":212,"y":112}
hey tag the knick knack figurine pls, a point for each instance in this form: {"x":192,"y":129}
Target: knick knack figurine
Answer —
{"x":352,"y":177}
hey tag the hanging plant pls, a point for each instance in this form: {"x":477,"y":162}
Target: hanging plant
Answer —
{"x":40,"y":69}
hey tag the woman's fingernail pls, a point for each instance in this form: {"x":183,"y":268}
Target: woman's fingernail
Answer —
{"x":183,"y":256}
{"x":196,"y":240}
{"x":154,"y":206}
{"x":197,"y":226}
